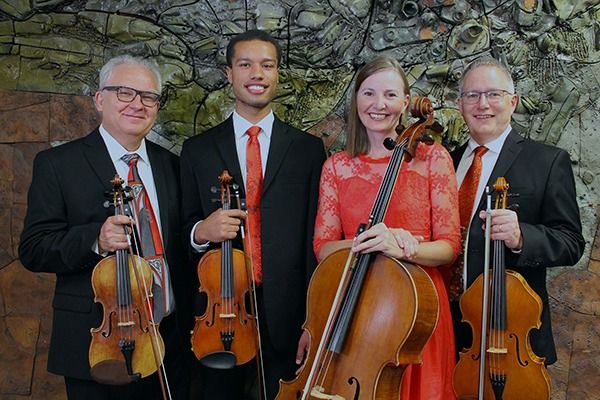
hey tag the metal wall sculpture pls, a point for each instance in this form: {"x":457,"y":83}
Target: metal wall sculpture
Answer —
{"x":552,"y":48}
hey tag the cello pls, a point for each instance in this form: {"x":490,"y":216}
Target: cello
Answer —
{"x":127,"y":345}
{"x":368,"y":315}
{"x":226,"y":334}
{"x":500,"y":363}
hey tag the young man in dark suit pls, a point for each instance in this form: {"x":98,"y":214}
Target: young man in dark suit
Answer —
{"x":68,"y":230}
{"x":291,"y":162}
{"x":545,"y":231}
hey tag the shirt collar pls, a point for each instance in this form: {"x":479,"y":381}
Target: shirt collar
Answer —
{"x":116,"y":150}
{"x":494,"y":146}
{"x":241,"y":125}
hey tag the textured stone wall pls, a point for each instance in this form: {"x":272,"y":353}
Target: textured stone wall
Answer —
{"x":50,"y":52}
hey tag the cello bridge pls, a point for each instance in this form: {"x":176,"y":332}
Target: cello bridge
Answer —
{"x":318,"y":392}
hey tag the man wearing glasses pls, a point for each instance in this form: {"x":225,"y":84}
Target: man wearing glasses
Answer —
{"x":68,"y":229}
{"x":545,"y":231}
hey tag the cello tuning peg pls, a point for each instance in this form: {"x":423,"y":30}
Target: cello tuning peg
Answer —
{"x":436,"y":127}
{"x":427,"y":139}
{"x":389,"y":143}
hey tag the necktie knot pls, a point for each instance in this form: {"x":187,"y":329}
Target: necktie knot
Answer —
{"x":480,"y":151}
{"x":253,"y":131}
{"x":131,"y":159}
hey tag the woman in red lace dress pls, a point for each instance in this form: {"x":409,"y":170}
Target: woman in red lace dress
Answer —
{"x":421,"y":224}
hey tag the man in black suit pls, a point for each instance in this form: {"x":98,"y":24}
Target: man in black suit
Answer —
{"x":68,"y":230}
{"x":545,"y":231}
{"x":291,"y":165}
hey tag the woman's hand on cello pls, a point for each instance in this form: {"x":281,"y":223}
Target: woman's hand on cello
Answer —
{"x":396,"y":243}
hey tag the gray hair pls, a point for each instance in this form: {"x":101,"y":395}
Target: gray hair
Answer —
{"x":487,"y":61}
{"x":110,"y":65}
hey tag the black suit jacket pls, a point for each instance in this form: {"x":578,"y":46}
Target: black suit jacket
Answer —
{"x":64,"y":215}
{"x":288,"y":209}
{"x":548,"y":217}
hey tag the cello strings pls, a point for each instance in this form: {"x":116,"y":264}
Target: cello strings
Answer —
{"x":376,"y":216}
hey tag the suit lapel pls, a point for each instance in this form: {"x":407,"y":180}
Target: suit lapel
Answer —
{"x":280,"y":143}
{"x":99,"y":160}
{"x":457,"y":155}
{"x":508,"y":154}
{"x":225,"y":143}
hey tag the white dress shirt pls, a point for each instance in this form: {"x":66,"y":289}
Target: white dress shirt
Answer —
{"x":240,"y":126}
{"x":488,"y":161}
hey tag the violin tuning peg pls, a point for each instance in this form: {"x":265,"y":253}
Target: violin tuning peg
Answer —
{"x":515,"y":207}
{"x":106,"y":204}
{"x":213,"y":189}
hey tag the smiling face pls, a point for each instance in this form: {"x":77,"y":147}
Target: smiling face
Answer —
{"x":380,"y":101}
{"x":128,"y":123}
{"x":487,"y":121}
{"x":253,"y":75}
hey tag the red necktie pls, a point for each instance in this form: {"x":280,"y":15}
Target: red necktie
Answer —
{"x":466,"y":198}
{"x":150,"y":240}
{"x":253,"y":190}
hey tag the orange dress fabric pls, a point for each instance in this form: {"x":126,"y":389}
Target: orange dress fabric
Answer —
{"x":425,"y":203}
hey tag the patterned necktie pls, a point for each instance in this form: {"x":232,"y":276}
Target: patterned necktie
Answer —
{"x":253,"y":190}
{"x":466,"y":199}
{"x":150,"y":240}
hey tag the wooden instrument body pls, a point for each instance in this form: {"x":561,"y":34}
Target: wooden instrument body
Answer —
{"x":526,"y":374}
{"x":397,"y":313}
{"x":225,"y":314}
{"x":107,"y":364}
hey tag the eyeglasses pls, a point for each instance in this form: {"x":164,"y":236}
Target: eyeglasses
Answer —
{"x":492,"y":96}
{"x":127,"y":95}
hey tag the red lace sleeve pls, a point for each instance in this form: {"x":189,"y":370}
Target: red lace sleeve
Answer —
{"x":445,"y":221}
{"x":328,"y":225}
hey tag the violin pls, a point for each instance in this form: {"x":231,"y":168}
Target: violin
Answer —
{"x":226,"y":334}
{"x":368,"y":315}
{"x":500,"y":363}
{"x":127,"y":345}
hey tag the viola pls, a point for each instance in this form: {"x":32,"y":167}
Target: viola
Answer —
{"x":127,"y":345}
{"x":226,"y":333}
{"x":506,"y":309}
{"x":368,"y":315}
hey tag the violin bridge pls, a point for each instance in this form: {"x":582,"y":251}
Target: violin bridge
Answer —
{"x":230,"y":315}
{"x":125,"y":324}
{"x":498,"y":350}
